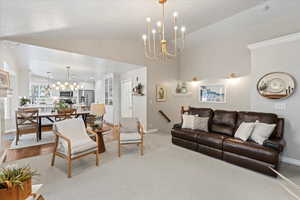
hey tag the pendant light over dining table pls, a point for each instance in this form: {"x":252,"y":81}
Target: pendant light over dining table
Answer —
{"x":68,"y":84}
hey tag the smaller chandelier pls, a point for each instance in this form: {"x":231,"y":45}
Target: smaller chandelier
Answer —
{"x":162,"y":50}
{"x":68,"y":84}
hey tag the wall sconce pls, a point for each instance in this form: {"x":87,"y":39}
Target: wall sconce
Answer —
{"x":232,"y":75}
{"x":195,"y":79}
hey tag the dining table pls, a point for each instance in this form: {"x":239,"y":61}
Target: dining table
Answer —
{"x":50,"y":116}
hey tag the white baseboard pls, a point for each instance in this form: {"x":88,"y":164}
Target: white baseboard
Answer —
{"x":151,"y":131}
{"x":291,"y":161}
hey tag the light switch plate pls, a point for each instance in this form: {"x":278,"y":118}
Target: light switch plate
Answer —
{"x":280,"y":106}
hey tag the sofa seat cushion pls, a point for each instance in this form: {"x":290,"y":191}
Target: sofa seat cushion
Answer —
{"x":211,"y":139}
{"x":251,"y":150}
{"x":187,"y":134}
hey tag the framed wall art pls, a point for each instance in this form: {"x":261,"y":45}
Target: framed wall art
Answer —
{"x":4,"y":79}
{"x":161,"y":93}
{"x":212,"y":93}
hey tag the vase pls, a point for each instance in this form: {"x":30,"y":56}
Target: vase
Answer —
{"x":16,"y":192}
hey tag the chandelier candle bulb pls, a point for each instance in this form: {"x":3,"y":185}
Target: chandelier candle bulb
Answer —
{"x":175,"y":16}
{"x":149,"y":33}
{"x":183,"y":29}
{"x":154,"y":41}
{"x":158,"y":24}
{"x":145,"y":39}
{"x":175,"y":40}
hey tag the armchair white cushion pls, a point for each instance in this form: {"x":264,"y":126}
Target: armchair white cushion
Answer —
{"x":126,"y":138}
{"x":75,"y":131}
{"x":72,"y":142}
{"x":130,"y":132}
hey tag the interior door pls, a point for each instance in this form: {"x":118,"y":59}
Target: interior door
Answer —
{"x":126,"y":98}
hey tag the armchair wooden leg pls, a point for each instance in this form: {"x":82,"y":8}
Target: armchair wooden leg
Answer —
{"x":69,"y":168}
{"x":53,"y":159}
{"x":142,"y":149}
{"x":119,"y":150}
{"x":54,"y":151}
{"x":17,"y":138}
{"x":97,"y":157}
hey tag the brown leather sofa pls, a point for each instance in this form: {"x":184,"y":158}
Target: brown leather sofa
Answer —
{"x":219,"y":141}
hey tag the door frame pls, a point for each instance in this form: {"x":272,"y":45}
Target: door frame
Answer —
{"x":131,"y":83}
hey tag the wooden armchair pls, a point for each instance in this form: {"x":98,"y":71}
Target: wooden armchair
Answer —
{"x":26,"y":122}
{"x":130,"y":131}
{"x":73,"y":142}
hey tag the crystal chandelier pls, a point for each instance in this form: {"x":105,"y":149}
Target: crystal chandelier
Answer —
{"x":162,"y":50}
{"x":68,"y":84}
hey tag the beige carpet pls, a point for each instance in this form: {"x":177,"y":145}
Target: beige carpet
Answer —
{"x":165,"y":172}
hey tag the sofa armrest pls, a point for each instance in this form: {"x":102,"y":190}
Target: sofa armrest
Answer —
{"x":277,"y":144}
{"x":177,"y":126}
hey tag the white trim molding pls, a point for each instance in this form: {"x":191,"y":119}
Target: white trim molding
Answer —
{"x":291,"y":161}
{"x":151,"y":131}
{"x":279,"y":40}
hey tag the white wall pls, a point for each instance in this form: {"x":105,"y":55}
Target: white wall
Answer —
{"x":212,"y":53}
{"x":10,"y":63}
{"x":139,"y":103}
{"x":99,"y":91}
{"x":282,"y":57}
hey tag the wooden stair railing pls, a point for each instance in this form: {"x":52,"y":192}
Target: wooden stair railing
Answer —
{"x":165,"y":116}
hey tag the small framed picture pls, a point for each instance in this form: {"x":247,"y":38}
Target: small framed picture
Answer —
{"x":212,"y":94}
{"x":161,"y":93}
{"x":4,"y":79}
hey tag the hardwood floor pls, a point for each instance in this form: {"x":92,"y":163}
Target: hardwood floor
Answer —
{"x":18,"y":154}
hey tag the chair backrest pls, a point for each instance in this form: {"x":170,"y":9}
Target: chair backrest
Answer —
{"x":74,"y":129}
{"x":27,"y":117}
{"x":129,"y":125}
{"x":65,"y":114}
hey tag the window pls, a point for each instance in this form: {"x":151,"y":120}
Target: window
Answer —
{"x":38,"y":91}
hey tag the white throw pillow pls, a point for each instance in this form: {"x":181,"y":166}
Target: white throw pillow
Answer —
{"x":245,"y":130}
{"x":262,"y":132}
{"x":201,"y":123}
{"x":195,"y":122}
{"x":188,"y":121}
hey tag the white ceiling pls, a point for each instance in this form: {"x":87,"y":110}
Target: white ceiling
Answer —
{"x":41,"y":60}
{"x":106,"y":19}
{"x":95,"y":20}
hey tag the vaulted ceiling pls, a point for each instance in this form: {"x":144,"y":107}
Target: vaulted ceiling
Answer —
{"x":105,"y":19}
{"x":109,"y":29}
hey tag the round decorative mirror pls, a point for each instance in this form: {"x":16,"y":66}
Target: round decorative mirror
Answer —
{"x":276,"y":85}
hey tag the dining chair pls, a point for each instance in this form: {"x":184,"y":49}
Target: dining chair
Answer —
{"x":26,"y":122}
{"x":73,"y":142}
{"x":66,"y":114}
{"x":130,"y":131}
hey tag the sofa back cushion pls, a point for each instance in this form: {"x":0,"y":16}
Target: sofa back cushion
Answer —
{"x":201,"y":112}
{"x":267,"y":118}
{"x":224,"y":122}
